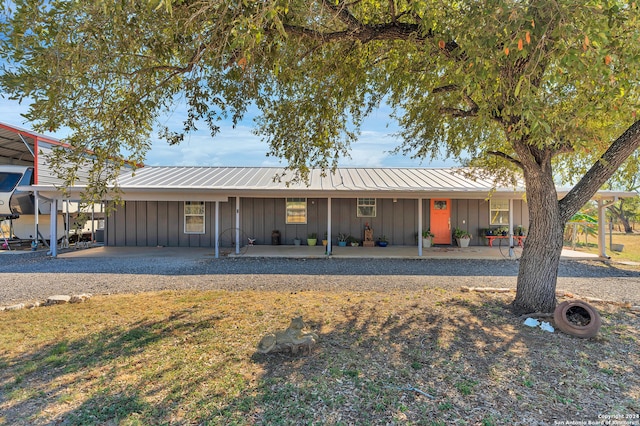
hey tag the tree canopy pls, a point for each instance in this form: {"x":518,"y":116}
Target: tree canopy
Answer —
{"x":536,"y":86}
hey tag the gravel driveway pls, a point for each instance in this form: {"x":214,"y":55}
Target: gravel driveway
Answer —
{"x":28,"y":278}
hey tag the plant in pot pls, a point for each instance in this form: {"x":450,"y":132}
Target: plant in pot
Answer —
{"x":352,"y":241}
{"x":462,"y":237}
{"x":297,"y":241}
{"x":427,"y":238}
{"x":520,"y":231}
{"x":312,"y":239}
{"x":503,"y":230}
{"x":324,"y":240}
{"x":342,"y":239}
{"x":382,"y":241}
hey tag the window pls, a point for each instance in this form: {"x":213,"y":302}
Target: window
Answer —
{"x":296,"y":210}
{"x":440,"y":205}
{"x":499,"y":212}
{"x":8,"y":181}
{"x":194,"y":217}
{"x":366,"y":207}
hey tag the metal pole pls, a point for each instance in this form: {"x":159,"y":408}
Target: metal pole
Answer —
{"x":53,"y":229}
{"x":238,"y":226}
{"x":328,"y":226}
{"x":511,"y":254}
{"x":419,"y":226}
{"x":37,"y":217}
{"x":601,"y":229}
{"x":217,"y":229}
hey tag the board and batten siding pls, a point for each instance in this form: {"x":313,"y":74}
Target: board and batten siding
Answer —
{"x":161,"y":223}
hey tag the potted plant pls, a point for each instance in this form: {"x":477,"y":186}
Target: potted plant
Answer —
{"x":427,"y":238}
{"x":352,"y":241}
{"x":342,"y":239}
{"x":503,"y":230}
{"x":462,"y":237}
{"x":324,"y":240}
{"x":312,"y":239}
{"x":382,"y":241}
{"x":297,"y":241}
{"x":520,"y":231}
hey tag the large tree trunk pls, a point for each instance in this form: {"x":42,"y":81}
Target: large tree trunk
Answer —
{"x":536,"y":291}
{"x":538,"y":272}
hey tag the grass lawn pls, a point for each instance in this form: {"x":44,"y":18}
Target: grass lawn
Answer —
{"x":427,"y":357}
{"x":630,"y":252}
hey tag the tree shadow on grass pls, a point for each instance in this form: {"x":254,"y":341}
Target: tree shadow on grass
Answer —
{"x":55,"y":374}
{"x":420,"y":358}
{"x":462,"y":361}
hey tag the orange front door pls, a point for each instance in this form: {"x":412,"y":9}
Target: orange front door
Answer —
{"x":441,"y":221}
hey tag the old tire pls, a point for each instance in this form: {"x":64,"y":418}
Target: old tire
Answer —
{"x":577,"y":318}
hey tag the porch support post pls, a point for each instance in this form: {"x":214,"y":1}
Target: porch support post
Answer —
{"x":53,"y":229}
{"x":217,"y":229}
{"x":37,"y":216}
{"x":93,"y":222}
{"x":419,"y":226}
{"x":602,"y":221}
{"x":67,"y":222}
{"x":328,"y":226}
{"x":510,"y":224}
{"x":238,"y":225}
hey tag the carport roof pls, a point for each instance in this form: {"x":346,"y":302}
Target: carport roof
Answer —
{"x":18,"y":145}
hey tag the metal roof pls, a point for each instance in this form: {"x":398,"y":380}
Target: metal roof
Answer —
{"x":17,"y":145}
{"x":254,"y":180}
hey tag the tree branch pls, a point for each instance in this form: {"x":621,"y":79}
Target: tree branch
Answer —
{"x":601,"y":171}
{"x":447,"y":88}
{"x":506,"y":157}
{"x":365,"y":33}
{"x":342,"y":12}
{"x":461,"y":113}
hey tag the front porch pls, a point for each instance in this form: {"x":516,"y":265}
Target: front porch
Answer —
{"x":292,"y":251}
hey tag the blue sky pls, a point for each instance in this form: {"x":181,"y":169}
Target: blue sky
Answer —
{"x":240,"y":147}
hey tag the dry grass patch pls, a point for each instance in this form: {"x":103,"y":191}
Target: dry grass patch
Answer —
{"x":630,"y":252}
{"x":425,"y":357}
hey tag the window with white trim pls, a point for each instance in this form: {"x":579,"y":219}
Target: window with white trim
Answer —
{"x":366,"y":207}
{"x":499,"y":212}
{"x":194,"y":217}
{"x":296,"y":210}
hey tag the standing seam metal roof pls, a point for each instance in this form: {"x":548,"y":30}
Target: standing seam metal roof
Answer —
{"x":343,"y":179}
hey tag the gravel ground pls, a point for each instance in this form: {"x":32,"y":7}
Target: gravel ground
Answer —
{"x":27,"y":278}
